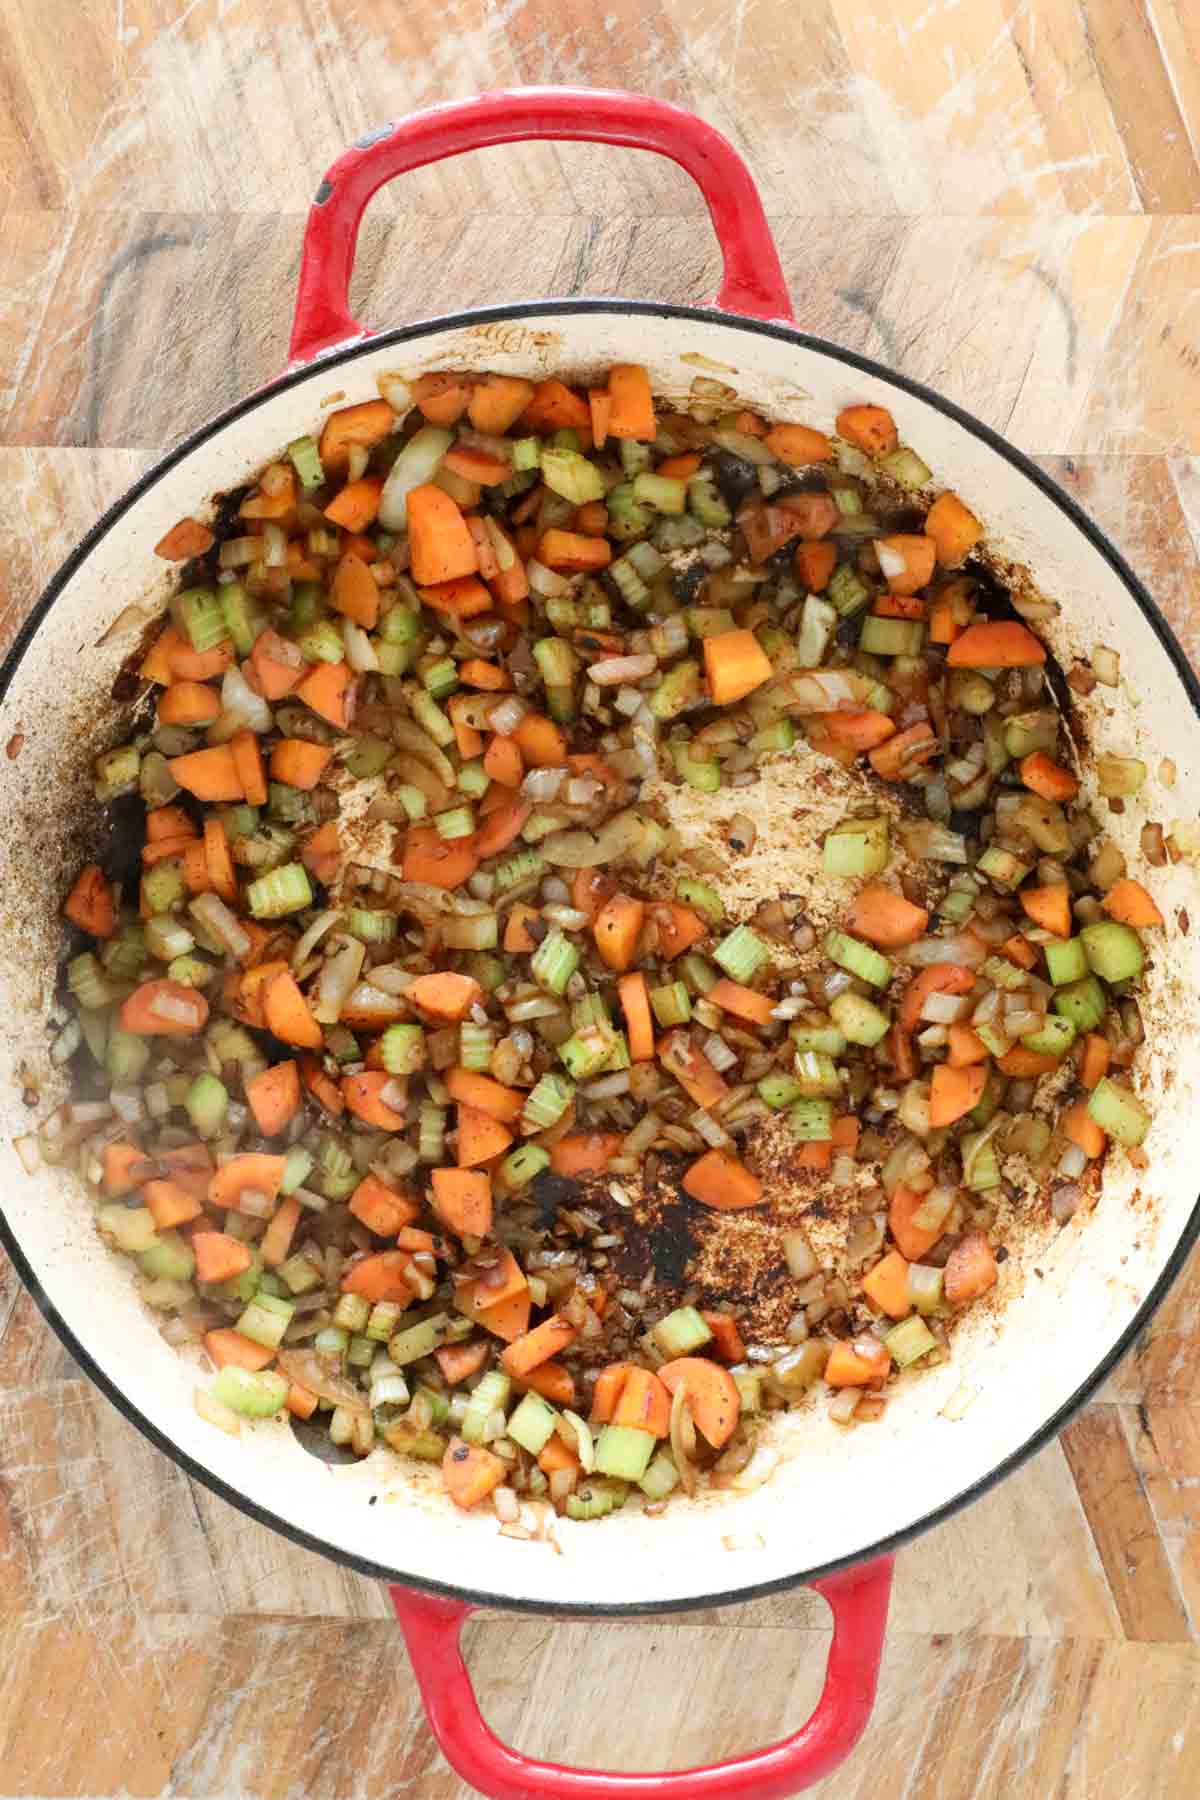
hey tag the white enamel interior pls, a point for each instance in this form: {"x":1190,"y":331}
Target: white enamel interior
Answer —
{"x":833,"y":1494}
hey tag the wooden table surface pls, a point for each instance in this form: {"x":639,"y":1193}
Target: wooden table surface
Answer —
{"x":999,"y":197}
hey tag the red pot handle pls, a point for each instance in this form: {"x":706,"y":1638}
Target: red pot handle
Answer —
{"x":859,"y":1599}
{"x":753,"y":281}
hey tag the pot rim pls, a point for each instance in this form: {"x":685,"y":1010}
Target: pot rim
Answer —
{"x":536,"y":309}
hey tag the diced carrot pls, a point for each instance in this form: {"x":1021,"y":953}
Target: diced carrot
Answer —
{"x":816,"y":559}
{"x":571,"y":551}
{"x":1047,"y":778}
{"x":644,"y":1403}
{"x":869,"y":428}
{"x":886,"y":1286}
{"x":509,"y":1319}
{"x":298,"y":763}
{"x":943,"y":626}
{"x":168,"y":823}
{"x":167,"y":849}
{"x":600,"y":409}
{"x":1049,"y":907}
{"x":715,"y":1401}
{"x":1093,"y":1067}
{"x":502,"y":825}
{"x":635,"y":1004}
{"x":470,"y":1473}
{"x":511,"y":586}
{"x":918,"y":555}
{"x":252,"y":1171}
{"x":445,"y":996}
{"x":440,"y":862}
{"x":938,"y":978}
{"x":679,"y":927}
{"x":1128,"y":901}
{"x":301,"y":1402}
{"x":326,"y":689}
{"x":954,"y":1092}
{"x":679,"y":468}
{"x":735,"y":663}
{"x":553,"y":1381}
{"x":246,"y":991}
{"x":798,"y":444}
{"x":276,"y":1240}
{"x":169,"y":1204}
{"x":355,"y":593}
{"x":691,"y":1069}
{"x":996,"y":644}
{"x":1026,"y":1065}
{"x":884,"y":917}
{"x":970,"y":1269}
{"x":463,"y":598}
{"x":302,"y":567}
{"x":497,"y":401}
{"x":505,"y":1281}
{"x":269,"y":668}
{"x":965,"y":1047}
{"x":209,"y":774}
{"x":617,"y":928}
{"x":904,"y":751}
{"x":503,"y":762}
{"x":606,"y":1392}
{"x":537,"y":1346}
{"x":164,"y":1008}
{"x":274,"y":1097}
{"x":380,"y":1208}
{"x":363,"y":1095}
{"x":195,"y":867}
{"x":230,"y":1349}
{"x":478,"y":466}
{"x":365,"y":424}
{"x":186,"y":539}
{"x":357,"y":505}
{"x":555,"y":407}
{"x":187,"y":664}
{"x":321,"y":1086}
{"x":222,"y":876}
{"x":156,"y":664}
{"x":188,"y":703}
{"x":248,"y":762}
{"x":719,"y":1180}
{"x":475,"y":672}
{"x":119,"y":1161}
{"x":460,"y":1361}
{"x":816,"y":1153}
{"x":857,"y":1364}
{"x":631,"y":414}
{"x":288,"y":1014}
{"x":472,"y":1089}
{"x":727,"y":1339}
{"x":442,"y":396}
{"x":541,"y":743}
{"x":1078,"y":1127}
{"x":742,"y":1002}
{"x":480,"y":1138}
{"x":584,"y":1152}
{"x":91,"y":904}
{"x":1018,"y":949}
{"x":190,"y":1166}
{"x":381,"y":1276}
{"x":463,"y":1199}
{"x":441,"y":547}
{"x":953,"y":527}
{"x":517,"y":940}
{"x":861,"y":731}
{"x":914,"y":1239}
{"x":898,"y":606}
{"x":219,"y":1257}
{"x":591,"y":519}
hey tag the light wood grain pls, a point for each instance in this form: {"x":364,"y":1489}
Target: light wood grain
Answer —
{"x":999,"y":197}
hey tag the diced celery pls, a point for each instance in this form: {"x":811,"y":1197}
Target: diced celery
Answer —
{"x":546,"y":1103}
{"x":125,"y":1058}
{"x":526,"y":454}
{"x":698,"y":972}
{"x":702,"y":898}
{"x":988,"y":1104}
{"x":1114,"y":951}
{"x":296,"y":1169}
{"x":623,"y":1450}
{"x":857,"y":958}
{"x":981,"y":1170}
{"x":1082,"y":1002}
{"x":521,"y":867}
{"x":1029,"y":731}
{"x":709,"y":621}
{"x":207,"y":1103}
{"x":473,"y":780}
{"x":663,"y":492}
{"x":361,"y":1354}
{"x":266,"y":1319}
{"x":596,"y":1499}
{"x":816,"y":1075}
{"x":811,"y":1121}
{"x":306,"y":460}
{"x":1066,"y":960}
{"x":778,"y":1089}
{"x":570,"y":474}
{"x":634,"y":456}
{"x":703,"y":774}
{"x":678,"y":533}
{"x":441,"y":678}
{"x":201,"y":617}
{"x":170,"y":1259}
{"x":910,"y":1340}
{"x":554,"y":962}
{"x":818,"y":622}
{"x":587,"y":1051}
{"x":163,"y":886}
{"x":680,"y":1332}
{"x":86,"y":980}
{"x":891,"y":637}
{"x":827,"y":1039}
{"x":742,"y":954}
{"x":488,"y":970}
{"x":779,"y":735}
{"x":426,"y":1446}
{"x":393,"y":659}
{"x":1119,"y":1112}
{"x":557,"y":662}
{"x":662,"y":1477}
{"x":117,"y":772}
{"x":906,"y":468}
{"x":290,"y":805}
{"x":532,"y":1424}
{"x":400,"y":625}
{"x":1003,"y":973}
{"x":300,"y":1276}
{"x":856,"y":847}
{"x":130,"y":1227}
{"x":281,"y":891}
{"x":488,"y":1396}
{"x":431,"y":1133}
{"x":308,"y":603}
{"x":255,"y":1395}
{"x":419,"y":1340}
{"x":412,"y":800}
{"x":681,"y":687}
{"x":475,"y":1044}
{"x":859,"y":1020}
{"x":1002,"y":868}
{"x":384,"y":1317}
{"x":848,"y":592}
{"x":521,"y":1165}
{"x":672,"y":1004}
{"x":243,"y":622}
{"x":429,"y":715}
{"x":458,"y":822}
{"x":352,"y":1312}
{"x":372,"y":927}
{"x":705,"y":502}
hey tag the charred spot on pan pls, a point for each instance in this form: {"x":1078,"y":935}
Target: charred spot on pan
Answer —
{"x":551,"y":1192}
{"x":687,"y":582}
{"x":736,"y":479}
{"x":225,"y":525}
{"x":121,"y":859}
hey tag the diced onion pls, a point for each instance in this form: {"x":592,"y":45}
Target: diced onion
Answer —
{"x":799,"y":1255}
{"x":312,"y":937}
{"x":507,"y":714}
{"x":175,"y":1009}
{"x":544,"y":581}
{"x":211,"y":911}
{"x":891,"y":562}
{"x":541,"y":785}
{"x":244,"y":710}
{"x":612,"y":671}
